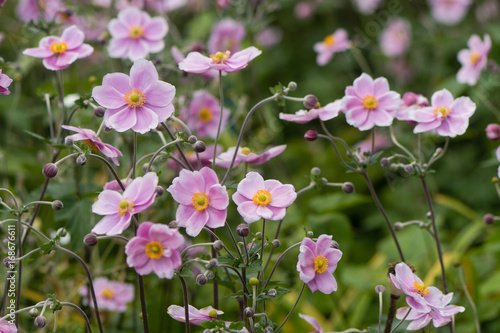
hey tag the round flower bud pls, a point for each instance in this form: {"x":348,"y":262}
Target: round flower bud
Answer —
{"x":310,"y":234}
{"x":199,"y":146}
{"x":201,"y":280}
{"x":40,"y":321}
{"x":57,"y":205}
{"x":192,"y":139}
{"x":398,"y":226}
{"x":276,"y":243}
{"x":380,"y":289}
{"x":210,"y":275}
{"x":207,"y":331}
{"x":81,"y":160}
{"x":311,"y":135}
{"x":315,"y":171}
{"x":90,"y":239}
{"x":107,"y":129}
{"x":33,"y":313}
{"x":428,"y":215}
{"x":68,"y":142}
{"x":272,"y":292}
{"x":408,"y":168}
{"x":334,"y":245}
{"x":268,"y":329}
{"x":256,"y":326}
{"x":493,"y":132}
{"x":140,"y":315}
{"x":348,"y":188}
{"x":99,"y":112}
{"x":159,"y":191}
{"x":258,"y":235}
{"x":310,"y":101}
{"x":50,"y":170}
{"x":249,"y":312}
{"x":212,"y":263}
{"x":218,"y":245}
{"x":62,"y":232}
{"x":253,"y":281}
{"x":385,"y":162}
{"x":173,"y":225}
{"x":489,"y":219}
{"x":243,"y":230}
{"x":7,"y":262}
{"x":292,"y":86}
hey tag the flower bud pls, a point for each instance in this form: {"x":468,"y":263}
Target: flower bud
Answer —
{"x":493,"y":132}
{"x":99,"y":112}
{"x":50,"y":170}
{"x":428,"y":215}
{"x":310,"y":101}
{"x":210,"y":275}
{"x":201,"y":280}
{"x":207,"y":331}
{"x":249,"y":312}
{"x":489,"y":219}
{"x":159,"y":191}
{"x":408,"y":168}
{"x":292,"y":86}
{"x":90,"y":239}
{"x":310,"y":234}
{"x":40,"y":321}
{"x":315,"y":171}
{"x":272,"y":292}
{"x":81,"y":160}
{"x":57,"y":205}
{"x":33,"y":313}
{"x":197,"y":47}
{"x":68,"y":142}
{"x":258,"y":235}
{"x":212,"y":263}
{"x":268,"y":329}
{"x":199,"y":146}
{"x":276,"y":243}
{"x":380,"y":289}
{"x":7,"y":262}
{"x":145,"y":167}
{"x":398,"y":226}
{"x":253,"y":281}
{"x":348,"y":187}
{"x":192,"y":139}
{"x":385,"y":162}
{"x":173,"y":225}
{"x":334,"y":245}
{"x":311,"y":135}
{"x":218,"y":245}
{"x":495,"y":180}
{"x":243,"y":230}
{"x":62,"y":232}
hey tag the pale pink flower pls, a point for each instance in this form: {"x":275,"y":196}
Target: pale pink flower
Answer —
{"x":304,"y":9}
{"x":448,"y":116}
{"x":313,"y":322}
{"x":155,"y":248}
{"x":179,"y":57}
{"x":245,"y":155}
{"x":474,"y":59}
{"x":226,"y":35}
{"x":269,"y":37}
{"x":317,"y":263}
{"x":118,"y":208}
{"x":411,"y":101}
{"x":327,"y":112}
{"x":5,"y":82}
{"x":370,"y":103}
{"x":29,"y":10}
{"x":114,"y":186}
{"x":367,"y":7}
{"x":134,"y":34}
{"x":203,"y":201}
{"x":258,"y":198}
{"x":138,"y":102}
{"x":449,"y":12}
{"x":196,"y":317}
{"x":493,"y":132}
{"x":7,"y":327}
{"x":336,"y":42}
{"x":110,"y":295}
{"x":396,"y":38}
{"x":197,"y":63}
{"x":60,"y":52}
{"x":439,"y":317}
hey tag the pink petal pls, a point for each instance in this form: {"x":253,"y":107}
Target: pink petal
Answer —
{"x":119,"y":47}
{"x":107,"y":203}
{"x":195,"y":62}
{"x":106,"y":224}
{"x":66,"y":58}
{"x":117,"y":29}
{"x":163,"y":268}
{"x":146,"y":120}
{"x":119,"y":81}
{"x":326,"y":283}
{"x":138,"y":49}
{"x":380,"y":86}
{"x":83,"y":50}
{"x":264,"y":212}
{"x":143,"y":230}
{"x":283,"y":196}
{"x":251,"y":184}
{"x":248,"y":211}
{"x":51,"y":63}
{"x":130,"y":16}
{"x":73,"y":37}
{"x":156,"y":29}
{"x":159,"y":93}
{"x":381,"y":117}
{"x":216,"y":217}
{"x":312,"y":321}
{"x":196,"y":222}
{"x":364,"y":86}
{"x":108,"y":97}
{"x":142,"y":74}
{"x":441,"y":98}
{"x":122,"y":119}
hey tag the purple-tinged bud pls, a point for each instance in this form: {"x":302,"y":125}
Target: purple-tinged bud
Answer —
{"x":210,"y":275}
{"x":7,"y":262}
{"x":249,"y":312}
{"x":310,"y":101}
{"x":348,"y":187}
{"x":107,"y":129}
{"x":159,"y":191}
{"x":68,"y":142}
{"x":197,"y":47}
{"x":268,"y":329}
{"x":398,"y":226}
{"x":50,"y":170}
{"x":99,"y":112}
{"x":218,"y":245}
{"x":310,"y":234}
{"x":276,"y":243}
{"x":311,"y":135}
{"x":33,"y":313}
{"x":272,"y":293}
{"x":90,"y":239}
{"x":81,"y":160}
{"x":315,"y":171}
{"x":380,"y":289}
{"x":192,"y":139}
{"x":242,"y":230}
{"x":334,"y":245}
{"x":212,"y":263}
{"x":489,"y":219}
{"x":201,"y":280}
{"x":292,"y":86}
{"x":385,"y":162}
{"x":173,"y":225}
{"x":408,"y":168}
{"x":40,"y":321}
{"x":493,"y":132}
{"x":199,"y":146}
{"x":57,"y":205}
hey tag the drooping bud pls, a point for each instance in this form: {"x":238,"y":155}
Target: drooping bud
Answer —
{"x":159,"y":191}
{"x":408,"y":168}
{"x":334,"y":245}
{"x":99,"y":112}
{"x":192,"y":139}
{"x":310,"y":101}
{"x":57,"y":205}
{"x":272,"y":292}
{"x":249,"y":312}
{"x":311,"y":135}
{"x":218,"y":245}
{"x":199,"y":146}
{"x":258,"y":235}
{"x":315,"y":171}
{"x":33,"y":313}
{"x":310,"y":234}
{"x":173,"y":225}
{"x":68,"y":142}
{"x":90,"y":239}
{"x":243,"y":230}
{"x":210,"y":275}
{"x":81,"y":160}
{"x":292,"y":86}
{"x":40,"y":321}
{"x":201,"y":279}
{"x":268,"y":329}
{"x":7,"y":262}
{"x":380,"y":289}
{"x":489,"y":219}
{"x":276,"y":243}
{"x":385,"y":162}
{"x":50,"y":170}
{"x":493,"y":132}
{"x":348,"y":187}
{"x":398,"y":226}
{"x":212,"y":263}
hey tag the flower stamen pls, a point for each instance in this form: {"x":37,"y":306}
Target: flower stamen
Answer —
{"x":58,"y":47}
{"x":220,"y":57}
{"x":421,"y":288}
{"x":442,"y":111}
{"x":320,"y":264}
{"x":370,"y":102}
{"x":262,"y":197}
{"x":205,"y":114}
{"x":108,"y":293}
{"x":246,"y":151}
{"x":200,"y":201}
{"x":474,"y":58}
{"x":154,"y":250}
{"x":91,"y":144}
{"x":329,"y":40}
{"x":135,"y":31}
{"x":126,"y":205}
{"x":135,"y":98}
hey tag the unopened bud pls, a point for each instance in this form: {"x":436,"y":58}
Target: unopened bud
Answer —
{"x":33,"y":313}
{"x":272,"y":292}
{"x":292,"y":86}
{"x":90,"y":239}
{"x":210,"y":275}
{"x":428,"y":215}
{"x":253,"y":281}
{"x":311,"y":135}
{"x":348,"y":187}
{"x":199,"y":146}
{"x":62,"y":232}
{"x":385,"y":162}
{"x":310,"y":234}
{"x":159,"y":191}
{"x":310,"y":101}
{"x":7,"y":262}
{"x":99,"y":112}
{"x":201,"y":280}
{"x":192,"y":139}
{"x":398,"y":226}
{"x":315,"y":171}
{"x":495,"y":180}
{"x":81,"y":160}
{"x":268,"y":329}
{"x":212,"y":263}
{"x":50,"y":170}
{"x":249,"y":312}
{"x":493,"y":132}
{"x":40,"y":321}
{"x":68,"y":142}
{"x":57,"y":205}
{"x":380,"y":289}
{"x":408,"y":168}
{"x":173,"y":225}
{"x":258,"y":235}
{"x":243,"y":230}
{"x":218,"y":245}
{"x":197,"y":47}
{"x":489,"y":219}
{"x":276,"y":243}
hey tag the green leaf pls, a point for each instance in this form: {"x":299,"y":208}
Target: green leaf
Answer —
{"x":237,"y":325}
{"x":37,"y":136}
{"x":78,"y":217}
{"x":209,"y":324}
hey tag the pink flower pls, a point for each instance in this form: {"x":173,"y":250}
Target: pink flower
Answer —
{"x":493,"y":132}
{"x":114,"y":186}
{"x":138,"y":102}
{"x":327,"y":112}
{"x":448,"y":116}
{"x":197,"y":63}
{"x":369,"y":103}
{"x":179,"y":57}
{"x":29,"y":10}
{"x":60,"y":52}
{"x":226,"y":35}
{"x":449,"y":12}
{"x":205,"y":157}
{"x":90,"y":139}
{"x":110,"y":295}
{"x":474,"y":59}
{"x":203,"y":114}
{"x":5,"y":82}
{"x":313,"y":322}
{"x":245,"y":155}
{"x":196,"y":317}
{"x":411,"y":101}
{"x":304,"y":9}
{"x":269,"y":37}
{"x":155,"y":248}
{"x":396,"y":38}
{"x":118,"y":208}
{"x":336,"y":42}
{"x":258,"y":198}
{"x":7,"y":327}
{"x":203,"y":201}
{"x":439,"y":317}
{"x":367,"y":7}
{"x":134,"y":34}
{"x":317,"y":263}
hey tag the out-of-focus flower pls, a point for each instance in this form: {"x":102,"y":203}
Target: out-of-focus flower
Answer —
{"x":317,"y":263}
{"x":396,"y":38}
{"x":370,"y":103}
{"x":493,"y":132}
{"x":367,"y":7}
{"x":110,"y":295}
{"x":7,"y":327}
{"x":304,"y":9}
{"x":258,"y":198}
{"x":269,"y":37}
{"x":196,"y":317}
{"x":474,"y":59}
{"x":449,"y":12}
{"x":245,"y":155}
{"x":411,"y":101}
{"x":224,"y":3}
{"x":155,"y":248}
{"x":138,"y":102}
{"x":448,"y":116}
{"x":313,"y":322}
{"x":439,"y":317}
{"x":29,"y":10}
{"x":226,"y":35}
{"x":60,"y":52}
{"x":487,"y":10}
{"x":336,"y":42}
{"x":118,"y":208}
{"x":203,"y":201}
{"x":327,"y":112}
{"x":5,"y":82}
{"x":197,"y":63}
{"x":135,"y":34}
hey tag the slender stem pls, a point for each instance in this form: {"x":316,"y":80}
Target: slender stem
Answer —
{"x":380,"y":304}
{"x":437,"y":156}
{"x":221,"y":102}
{"x":307,"y":188}
{"x":337,"y":152}
{"x":27,"y":255}
{"x":134,"y":155}
{"x":294,"y":99}
{"x":49,"y":111}
{"x":20,"y":265}
{"x":402,"y":320}
{"x":110,"y":167}
{"x":186,"y":303}
{"x":293,"y":308}
{"x":263,"y":239}
{"x":277,"y":263}
{"x":392,"y":312}
{"x":272,"y":248}
{"x":143,"y":303}
{"x":469,"y":298}
{"x":244,"y":283}
{"x":77,"y":308}
{"x":12,"y":195}
{"x":183,"y":156}
{"x":399,"y":145}
{"x":360,"y":59}
{"x":159,"y":151}
{"x":234,"y":240}
{"x":183,"y":124}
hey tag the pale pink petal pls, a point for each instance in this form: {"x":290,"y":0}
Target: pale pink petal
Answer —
{"x":119,"y":81}
{"x":251,"y":184}
{"x":156,"y":29}
{"x":118,"y":29}
{"x":121,"y":120}
{"x":146,"y":120}
{"x":326,"y":283}
{"x":138,"y":49}
{"x":159,"y":93}
{"x":119,"y":47}
{"x":441,"y":98}
{"x":73,"y":37}
{"x":195,"y":62}
{"x":108,"y":97}
{"x":248,"y":211}
{"x":142,"y":74}
{"x":216,"y":217}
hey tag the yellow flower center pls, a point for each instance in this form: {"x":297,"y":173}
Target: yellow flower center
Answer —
{"x":58,"y":47}
{"x":125,"y":206}
{"x":154,"y":250}
{"x":205,"y":114}
{"x":245,"y":150}
{"x":135,"y":31}
{"x":262,"y":197}
{"x":108,"y":293}
{"x":135,"y":98}
{"x":320,"y":264}
{"x":421,"y":288}
{"x":442,"y":111}
{"x":212,"y":313}
{"x":329,"y":40}
{"x":200,"y":201}
{"x":474,"y":58}
{"x":370,"y":102}
{"x":220,"y":57}
{"x":91,"y":144}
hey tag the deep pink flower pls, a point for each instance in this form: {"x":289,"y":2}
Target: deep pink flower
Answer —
{"x":7,"y":327}
{"x":474,"y":59}
{"x":89,"y":138}
{"x":226,"y":35}
{"x":134,"y":34}
{"x":203,"y":201}
{"x":367,"y":7}
{"x":258,"y":198}
{"x":197,"y":63}
{"x":5,"y":82}
{"x":439,"y":317}
{"x":110,"y":295}
{"x":155,"y":248}
{"x":245,"y":155}
{"x":370,"y":103}
{"x":118,"y":208}
{"x":396,"y":38}
{"x":138,"y":102}
{"x":60,"y":52}
{"x":411,"y":101}
{"x":448,"y":116}
{"x":449,"y":12}
{"x":313,"y":322}
{"x":493,"y":132}
{"x":327,"y":112}
{"x":203,"y":114}
{"x":196,"y":317}
{"x":29,"y":10}
{"x":317,"y":263}
{"x":336,"y":42}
